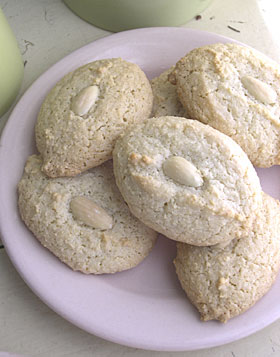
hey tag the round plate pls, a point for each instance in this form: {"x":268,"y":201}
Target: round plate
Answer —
{"x":143,"y":307}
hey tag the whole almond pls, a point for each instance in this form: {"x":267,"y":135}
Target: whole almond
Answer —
{"x":260,"y":90}
{"x":84,"y":100}
{"x":88,"y":212}
{"x":182,"y":171}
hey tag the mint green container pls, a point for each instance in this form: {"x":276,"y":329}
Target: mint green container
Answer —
{"x":119,"y":15}
{"x":11,"y":66}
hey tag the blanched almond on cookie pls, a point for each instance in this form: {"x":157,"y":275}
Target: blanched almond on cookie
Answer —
{"x":84,"y":100}
{"x":260,"y":90}
{"x":85,"y":210}
{"x":182,"y":171}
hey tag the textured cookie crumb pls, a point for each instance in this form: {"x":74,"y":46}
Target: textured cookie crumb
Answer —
{"x":208,"y":200}
{"x":223,"y":282}
{"x":212,"y":84}
{"x":45,"y":207}
{"x":166,"y":100}
{"x":86,"y":111}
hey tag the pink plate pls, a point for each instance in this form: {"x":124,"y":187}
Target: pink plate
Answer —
{"x":145,"y":306}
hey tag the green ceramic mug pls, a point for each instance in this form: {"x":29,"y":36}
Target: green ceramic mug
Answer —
{"x":11,"y":66}
{"x":119,"y":15}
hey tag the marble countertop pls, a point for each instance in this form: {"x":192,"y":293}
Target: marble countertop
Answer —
{"x":47,"y":31}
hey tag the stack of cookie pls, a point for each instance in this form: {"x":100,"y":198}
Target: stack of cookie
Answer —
{"x":67,"y":195}
{"x":195,"y":183}
{"x":235,"y":90}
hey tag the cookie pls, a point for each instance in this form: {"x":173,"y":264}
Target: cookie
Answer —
{"x":236,"y":90}
{"x":85,"y":112}
{"x":186,"y":180}
{"x":83,"y":220}
{"x":166,"y":101}
{"x":224,"y":282}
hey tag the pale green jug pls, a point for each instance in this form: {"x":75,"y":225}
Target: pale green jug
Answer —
{"x":119,"y":15}
{"x":11,"y":66}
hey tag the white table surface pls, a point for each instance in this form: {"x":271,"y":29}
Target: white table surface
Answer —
{"x":46,"y":31}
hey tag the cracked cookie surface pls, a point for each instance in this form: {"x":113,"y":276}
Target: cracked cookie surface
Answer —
{"x":46,"y":206}
{"x":224,"y":282}
{"x":85,"y":112}
{"x":186,"y":180}
{"x":166,"y":100}
{"x":236,"y":90}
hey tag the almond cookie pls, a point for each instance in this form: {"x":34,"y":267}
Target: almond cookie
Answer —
{"x":186,"y":180}
{"x":236,"y":90}
{"x":83,"y":220}
{"x":224,"y":282}
{"x":166,"y":101}
{"x":85,"y":112}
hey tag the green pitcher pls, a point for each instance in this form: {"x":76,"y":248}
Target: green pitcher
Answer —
{"x":11,"y":66}
{"x":119,"y":15}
